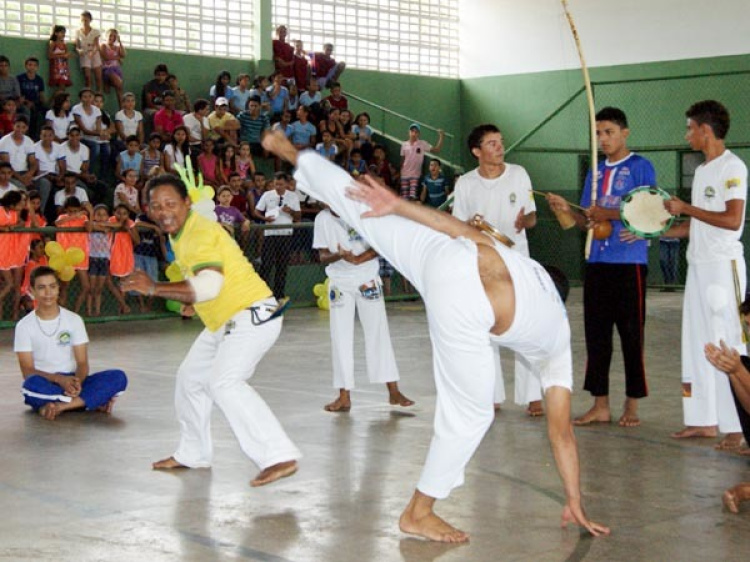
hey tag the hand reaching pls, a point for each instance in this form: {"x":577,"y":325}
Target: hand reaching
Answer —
{"x":574,"y":514}
{"x":381,"y":200}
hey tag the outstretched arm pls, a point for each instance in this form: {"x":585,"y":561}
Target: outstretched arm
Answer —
{"x":727,"y":360}
{"x":565,"y":449}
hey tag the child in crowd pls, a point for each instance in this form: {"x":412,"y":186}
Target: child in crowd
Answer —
{"x":245,"y":163}
{"x":383,"y":168}
{"x":228,"y":163}
{"x":147,"y":252}
{"x":434,"y":186}
{"x":356,"y":166}
{"x":311,"y":97}
{"x":327,"y":149}
{"x":176,"y":151}
{"x":413,"y":151}
{"x":228,"y":216}
{"x":100,"y":247}
{"x":35,"y":217}
{"x":363,"y":135}
{"x":128,"y":121}
{"x":209,"y":164}
{"x":293,"y":101}
{"x":122,"y":260}
{"x":87,"y":45}
{"x":12,"y":251}
{"x":74,"y":216}
{"x":7,"y":116}
{"x":58,"y":55}
{"x":284,"y":124}
{"x":37,"y":257}
{"x":59,"y":116}
{"x":181,"y":98}
{"x":127,"y":194}
{"x":260,"y":84}
{"x":112,"y":53}
{"x":130,"y":158}
{"x":153,"y":158}
{"x":222,"y":89}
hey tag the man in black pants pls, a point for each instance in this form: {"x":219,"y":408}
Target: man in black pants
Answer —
{"x":737,"y":368}
{"x":614,"y":291}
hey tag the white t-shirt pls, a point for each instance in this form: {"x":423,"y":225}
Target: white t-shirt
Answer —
{"x":51,"y":342}
{"x":194,"y":127}
{"x":129,"y":124}
{"x":331,"y":233}
{"x":498,"y":200}
{"x":80,"y":193}
{"x":75,"y":159}
{"x":271,"y":203}
{"x":48,"y":160}
{"x":88,"y":120}
{"x":59,"y":124}
{"x":18,"y":154}
{"x":173,"y":156}
{"x":6,"y":188}
{"x":131,"y":195}
{"x":716,"y":182}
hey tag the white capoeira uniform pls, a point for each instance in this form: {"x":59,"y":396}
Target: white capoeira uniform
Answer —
{"x":354,"y":289}
{"x":499,"y":201}
{"x":716,"y":279}
{"x":445,"y":272}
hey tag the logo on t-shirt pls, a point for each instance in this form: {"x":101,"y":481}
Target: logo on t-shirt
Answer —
{"x":512,"y":198}
{"x":709,"y":192}
{"x":63,"y":338}
{"x":733,"y":182}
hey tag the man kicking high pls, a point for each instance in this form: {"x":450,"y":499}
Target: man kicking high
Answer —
{"x":476,"y":293}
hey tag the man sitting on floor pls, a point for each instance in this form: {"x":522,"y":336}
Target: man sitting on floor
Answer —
{"x":52,"y":348}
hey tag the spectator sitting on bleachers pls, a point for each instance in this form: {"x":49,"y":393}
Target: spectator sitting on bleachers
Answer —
{"x":59,"y":116}
{"x":221,"y":89}
{"x":18,"y":149}
{"x":181,"y":98}
{"x":128,"y":121}
{"x":7,"y":115}
{"x":303,"y":132}
{"x":278,"y":94}
{"x":301,"y":66}
{"x":241,"y":93}
{"x":167,"y":119}
{"x":197,"y":125}
{"x":336,"y":98}
{"x":153,"y":90}
{"x":325,"y":69}
{"x":223,"y":125}
{"x":50,"y":158}
{"x":252,"y":124}
{"x":283,"y":54}
{"x":130,"y":158}
{"x":9,"y":86}
{"x":327,"y":148}
{"x":72,"y":189}
{"x":32,"y":93}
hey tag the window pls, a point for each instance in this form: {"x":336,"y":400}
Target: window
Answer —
{"x":416,"y":37}
{"x":222,"y":28}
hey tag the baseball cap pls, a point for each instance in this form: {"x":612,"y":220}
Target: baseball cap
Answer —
{"x":415,"y":126}
{"x":221,"y":101}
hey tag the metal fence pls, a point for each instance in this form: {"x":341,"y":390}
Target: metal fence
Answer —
{"x":291,"y":259}
{"x":556,"y":152}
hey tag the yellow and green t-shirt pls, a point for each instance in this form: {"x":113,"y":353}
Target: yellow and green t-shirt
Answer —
{"x":203,"y":243}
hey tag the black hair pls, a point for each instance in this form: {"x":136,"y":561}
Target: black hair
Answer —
{"x":167,"y":179}
{"x":161,"y":68}
{"x":131,"y":138}
{"x":57,"y":102}
{"x":281,"y":176}
{"x":72,"y":201}
{"x":11,"y":199}
{"x":41,"y":271}
{"x":711,"y":113}
{"x":55,"y":30}
{"x":221,"y":88}
{"x":21,"y":119}
{"x":476,"y":135}
{"x":200,"y":105}
{"x":30,"y":59}
{"x":613,"y":114}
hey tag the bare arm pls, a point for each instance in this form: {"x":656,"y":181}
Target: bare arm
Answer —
{"x":730,"y":218}
{"x":181,"y":291}
{"x":565,"y":449}
{"x":439,"y":145}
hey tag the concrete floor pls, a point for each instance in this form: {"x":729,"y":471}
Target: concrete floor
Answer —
{"x":81,"y":488}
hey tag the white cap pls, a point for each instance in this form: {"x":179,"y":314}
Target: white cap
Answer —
{"x":221,"y":101}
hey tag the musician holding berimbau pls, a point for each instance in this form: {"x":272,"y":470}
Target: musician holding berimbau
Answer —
{"x":614,"y":291}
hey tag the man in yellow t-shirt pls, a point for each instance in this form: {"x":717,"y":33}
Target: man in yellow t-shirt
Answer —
{"x":237,"y":308}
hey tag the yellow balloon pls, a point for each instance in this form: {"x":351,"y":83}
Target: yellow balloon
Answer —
{"x":321,"y":290}
{"x":67,"y":273}
{"x":53,"y":249}
{"x":57,"y":262}
{"x":74,"y":255}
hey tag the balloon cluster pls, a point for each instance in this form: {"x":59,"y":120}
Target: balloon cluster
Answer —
{"x":201,"y":196}
{"x":321,"y":291}
{"x":64,"y":261}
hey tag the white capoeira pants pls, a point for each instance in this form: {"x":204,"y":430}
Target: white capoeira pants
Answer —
{"x":460,"y":316}
{"x":528,"y":387}
{"x":346,"y":301}
{"x":215,"y":371}
{"x":709,"y":314}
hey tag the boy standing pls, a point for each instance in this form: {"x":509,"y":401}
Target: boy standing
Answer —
{"x":412,"y":158}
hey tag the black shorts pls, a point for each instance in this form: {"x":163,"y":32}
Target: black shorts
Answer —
{"x":99,"y":267}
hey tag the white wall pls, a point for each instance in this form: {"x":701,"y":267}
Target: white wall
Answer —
{"x":500,"y":37}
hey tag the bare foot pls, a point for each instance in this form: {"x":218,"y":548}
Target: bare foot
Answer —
{"x":694,"y":431}
{"x":49,"y":411}
{"x":730,"y":501}
{"x":108,"y":407}
{"x":431,"y":527}
{"x":535,"y":409}
{"x":167,"y":464}
{"x":629,"y":420}
{"x":731,"y":442}
{"x":338,"y":405}
{"x":398,"y":399}
{"x":594,"y":415}
{"x":275,"y":472}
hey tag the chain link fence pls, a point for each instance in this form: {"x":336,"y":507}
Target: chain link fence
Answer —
{"x":288,"y":264}
{"x":556,"y":154}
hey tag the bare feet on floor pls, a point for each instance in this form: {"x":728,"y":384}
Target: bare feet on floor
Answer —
{"x":339,"y":405}
{"x":167,"y":464}
{"x":730,"y":501}
{"x":398,"y":399}
{"x":594,"y":415}
{"x":275,"y":472}
{"x":695,"y":431}
{"x":629,"y":417}
{"x":535,"y":409}
{"x":108,"y":407}
{"x":731,"y":442}
{"x":49,"y":411}
{"x":429,"y":526}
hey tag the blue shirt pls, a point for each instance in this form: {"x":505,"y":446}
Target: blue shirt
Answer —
{"x":616,"y":180}
{"x":435,"y":190}
{"x":130,"y":163}
{"x":301,"y":134}
{"x":31,"y":88}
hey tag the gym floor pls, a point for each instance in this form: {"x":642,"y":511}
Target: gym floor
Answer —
{"x":82,"y":488}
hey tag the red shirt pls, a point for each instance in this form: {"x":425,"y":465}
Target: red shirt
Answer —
{"x":300,"y":72}
{"x":341,"y":103}
{"x":6,"y":123}
{"x":284,"y":51}
{"x":167,"y":122}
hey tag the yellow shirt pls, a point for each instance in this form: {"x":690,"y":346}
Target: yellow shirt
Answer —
{"x":203,"y":243}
